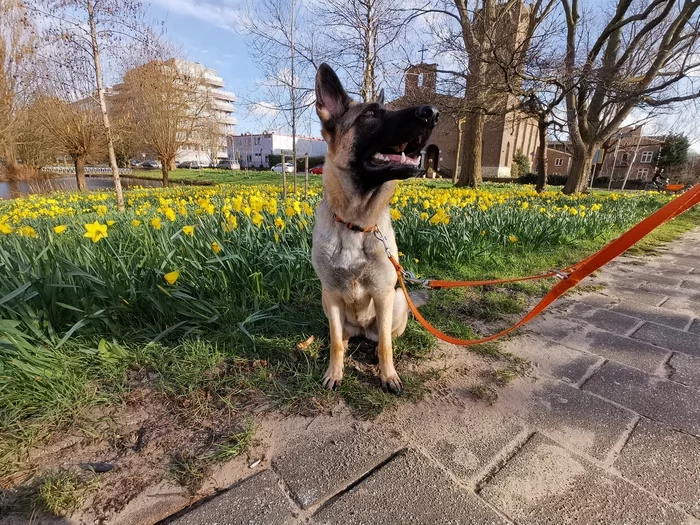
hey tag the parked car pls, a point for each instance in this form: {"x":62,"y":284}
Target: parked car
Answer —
{"x":151,"y":165}
{"x":193,"y":164}
{"x":317,"y":170}
{"x":181,"y":164}
{"x":287,"y":167}
{"x":227,"y":164}
{"x":135,"y":163}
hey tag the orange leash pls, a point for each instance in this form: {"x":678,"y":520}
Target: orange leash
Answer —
{"x":570,"y":277}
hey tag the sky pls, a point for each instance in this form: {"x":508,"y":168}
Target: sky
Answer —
{"x":207,"y":33}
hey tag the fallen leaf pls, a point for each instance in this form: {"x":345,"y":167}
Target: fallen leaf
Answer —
{"x":304,"y":345}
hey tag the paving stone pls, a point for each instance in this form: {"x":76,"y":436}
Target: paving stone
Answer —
{"x":670,"y":338}
{"x":690,"y":285}
{"x":652,"y":313}
{"x":464,"y":440}
{"x":315,"y":467}
{"x":553,"y":326}
{"x":622,"y":349}
{"x":691,"y":295}
{"x":665,"y":462}
{"x":612,"y":295}
{"x":545,"y":484}
{"x":582,"y":421}
{"x":258,"y":500}
{"x":695,"y":327}
{"x":679,"y":304}
{"x":651,"y":396}
{"x":409,"y":489}
{"x":686,"y":369}
{"x":642,"y":274}
{"x":551,"y":358}
{"x":611,"y":321}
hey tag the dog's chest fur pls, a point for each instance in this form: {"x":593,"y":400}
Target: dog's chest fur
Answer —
{"x":350,"y":263}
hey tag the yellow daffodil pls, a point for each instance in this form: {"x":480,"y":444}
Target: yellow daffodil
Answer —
{"x":188,"y":230}
{"x":111,"y":223}
{"x":5,"y":228}
{"x":61,"y":228}
{"x":170,"y":214}
{"x":155,"y":222}
{"x":424,"y":216}
{"x":395,"y":214}
{"x":27,"y":231}
{"x":171,"y":277}
{"x":215,"y":246}
{"x":95,"y":231}
{"x":136,"y":223}
{"x":257,"y":219}
{"x":512,"y":238}
{"x":279,"y":223}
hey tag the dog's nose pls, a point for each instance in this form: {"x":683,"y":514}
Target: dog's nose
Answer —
{"x":428,"y":113}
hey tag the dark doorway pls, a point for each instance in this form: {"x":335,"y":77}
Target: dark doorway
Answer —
{"x":432,"y":157}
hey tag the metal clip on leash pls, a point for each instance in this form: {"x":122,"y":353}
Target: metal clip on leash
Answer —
{"x":407,"y":275}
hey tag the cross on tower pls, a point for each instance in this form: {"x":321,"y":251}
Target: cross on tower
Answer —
{"x":422,"y":50}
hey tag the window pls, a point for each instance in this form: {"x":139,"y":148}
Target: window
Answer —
{"x":559,"y":162}
{"x":647,"y":157}
{"x":420,"y":79}
{"x":642,"y":173}
{"x":623,"y":159}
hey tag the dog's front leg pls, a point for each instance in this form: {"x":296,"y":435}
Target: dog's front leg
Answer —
{"x":334,"y":308}
{"x":384,"y":306}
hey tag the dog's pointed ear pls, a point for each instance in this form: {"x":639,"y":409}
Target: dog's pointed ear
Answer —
{"x":380,"y":98}
{"x":331,"y":99}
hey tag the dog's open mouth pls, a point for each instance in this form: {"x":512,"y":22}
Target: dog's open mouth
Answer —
{"x":397,"y":155}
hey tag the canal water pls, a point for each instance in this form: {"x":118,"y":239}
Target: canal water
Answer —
{"x":18,"y":188}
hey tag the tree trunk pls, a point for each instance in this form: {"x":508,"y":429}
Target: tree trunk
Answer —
{"x":541,"y":156}
{"x":458,"y":159}
{"x":581,"y":164}
{"x":79,"y":162}
{"x":103,"y":106}
{"x":473,"y":136}
{"x":165,"y":169}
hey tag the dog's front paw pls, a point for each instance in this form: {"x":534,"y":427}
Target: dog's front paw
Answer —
{"x":332,"y":378}
{"x":391,"y":382}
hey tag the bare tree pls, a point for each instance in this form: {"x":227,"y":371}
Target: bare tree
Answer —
{"x":88,"y":28}
{"x":16,"y":53}
{"x":75,"y":129}
{"x":645,"y":55}
{"x":360,"y":38}
{"x":211,"y":137}
{"x":169,"y":102}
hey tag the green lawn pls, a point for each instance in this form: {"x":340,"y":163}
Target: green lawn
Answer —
{"x":216,"y":176}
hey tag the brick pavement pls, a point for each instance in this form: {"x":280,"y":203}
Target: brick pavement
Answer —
{"x":606,"y":429}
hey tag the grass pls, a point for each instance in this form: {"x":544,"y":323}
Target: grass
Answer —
{"x":218,"y":176}
{"x":667,"y":233}
{"x":63,"y":492}
{"x":191,"y":471}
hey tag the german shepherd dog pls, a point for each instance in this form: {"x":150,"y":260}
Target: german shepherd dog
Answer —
{"x":369,"y":148}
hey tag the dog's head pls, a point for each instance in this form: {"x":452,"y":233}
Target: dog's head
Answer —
{"x":367,"y":141}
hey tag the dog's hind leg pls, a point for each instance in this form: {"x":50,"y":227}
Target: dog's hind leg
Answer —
{"x":384,"y":306}
{"x":334,"y":308}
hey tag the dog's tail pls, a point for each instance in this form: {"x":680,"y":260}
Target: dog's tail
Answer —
{"x":419,"y":297}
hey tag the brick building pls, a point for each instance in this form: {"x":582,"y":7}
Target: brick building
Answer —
{"x":627,"y":141}
{"x":504,"y":135}
{"x":558,"y":161}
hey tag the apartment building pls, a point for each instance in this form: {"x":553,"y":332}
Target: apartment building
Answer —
{"x":254,"y":150}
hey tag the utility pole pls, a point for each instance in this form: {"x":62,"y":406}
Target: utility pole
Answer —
{"x":294,"y":112}
{"x":612,"y":171}
{"x":634,"y":157}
